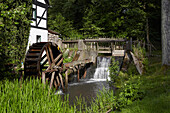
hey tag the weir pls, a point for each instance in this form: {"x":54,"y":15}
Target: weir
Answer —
{"x":102,"y":71}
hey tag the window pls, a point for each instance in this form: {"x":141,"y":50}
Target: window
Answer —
{"x":38,"y":38}
{"x":34,"y":13}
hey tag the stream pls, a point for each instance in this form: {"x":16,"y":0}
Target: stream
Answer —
{"x":96,"y":79}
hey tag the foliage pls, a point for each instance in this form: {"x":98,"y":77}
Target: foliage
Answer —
{"x":58,"y":23}
{"x":15,"y":22}
{"x":104,"y":101}
{"x":114,"y":70}
{"x":156,"y":86}
{"x":129,"y":89}
{"x":129,"y":92}
{"x":140,"y":54}
{"x":111,"y":18}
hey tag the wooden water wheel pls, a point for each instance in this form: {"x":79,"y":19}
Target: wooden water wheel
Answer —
{"x":44,"y":60}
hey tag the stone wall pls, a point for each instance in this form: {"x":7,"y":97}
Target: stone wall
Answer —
{"x":166,"y":32}
{"x":55,"y":38}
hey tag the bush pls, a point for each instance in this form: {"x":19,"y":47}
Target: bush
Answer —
{"x":129,"y":92}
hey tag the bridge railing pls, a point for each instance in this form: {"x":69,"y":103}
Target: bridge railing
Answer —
{"x":102,"y":45}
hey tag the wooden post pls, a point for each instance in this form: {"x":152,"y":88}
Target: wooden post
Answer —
{"x":84,"y":76}
{"x":43,"y":77}
{"x":91,"y":46}
{"x":94,"y":46}
{"x":78,"y":74}
{"x":66,"y":80}
{"x":97,"y":47}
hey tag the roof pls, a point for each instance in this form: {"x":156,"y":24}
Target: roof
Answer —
{"x":53,"y":32}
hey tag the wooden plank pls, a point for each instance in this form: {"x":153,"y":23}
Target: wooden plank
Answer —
{"x":74,"y":63}
{"x":104,"y":51}
{"x":137,"y":64}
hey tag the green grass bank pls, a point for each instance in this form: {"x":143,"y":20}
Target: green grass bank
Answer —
{"x":156,"y":84}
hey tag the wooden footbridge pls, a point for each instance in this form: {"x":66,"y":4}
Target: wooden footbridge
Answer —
{"x":45,"y":59}
{"x":115,"y":47}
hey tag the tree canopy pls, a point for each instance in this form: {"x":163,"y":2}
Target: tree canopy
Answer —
{"x":110,"y":18}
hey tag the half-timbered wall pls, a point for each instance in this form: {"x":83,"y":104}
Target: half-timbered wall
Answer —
{"x":39,"y":28}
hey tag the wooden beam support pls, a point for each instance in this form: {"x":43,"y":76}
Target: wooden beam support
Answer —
{"x":85,"y":72}
{"x":66,"y":80}
{"x":78,"y":74}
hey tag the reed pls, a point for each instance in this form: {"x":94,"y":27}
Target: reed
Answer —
{"x":31,"y":96}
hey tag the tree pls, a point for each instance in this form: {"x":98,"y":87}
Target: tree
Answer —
{"x":165,"y":33}
{"x":15,"y":22}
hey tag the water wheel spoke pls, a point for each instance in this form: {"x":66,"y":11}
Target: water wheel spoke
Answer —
{"x":51,"y":54}
{"x":66,"y":79}
{"x":58,"y":80}
{"x":57,"y":58}
{"x":52,"y":79}
{"x":55,"y":84}
{"x":48,"y":56}
{"x":43,"y":77}
{"x":59,"y":63}
{"x":61,"y":81}
{"x":42,"y":58}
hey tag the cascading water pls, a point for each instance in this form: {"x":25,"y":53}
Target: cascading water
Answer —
{"x":94,"y":82}
{"x":102,"y":72}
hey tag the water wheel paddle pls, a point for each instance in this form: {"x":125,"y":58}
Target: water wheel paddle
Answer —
{"x":44,"y":60}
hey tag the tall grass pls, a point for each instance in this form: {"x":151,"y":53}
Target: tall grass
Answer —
{"x":31,"y":96}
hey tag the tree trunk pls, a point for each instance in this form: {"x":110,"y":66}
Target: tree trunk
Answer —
{"x":165,"y":32}
{"x":147,"y":33}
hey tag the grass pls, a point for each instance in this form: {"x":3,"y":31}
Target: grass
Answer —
{"x":33,"y":96}
{"x":156,"y":83}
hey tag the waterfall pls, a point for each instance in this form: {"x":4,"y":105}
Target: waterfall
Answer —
{"x":102,"y":72}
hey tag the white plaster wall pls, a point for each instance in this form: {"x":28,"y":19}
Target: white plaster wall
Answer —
{"x":33,"y":6}
{"x":33,"y":36}
{"x":43,"y":23}
{"x":40,"y":11}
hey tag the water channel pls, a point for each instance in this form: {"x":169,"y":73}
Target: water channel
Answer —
{"x":97,"y":78}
